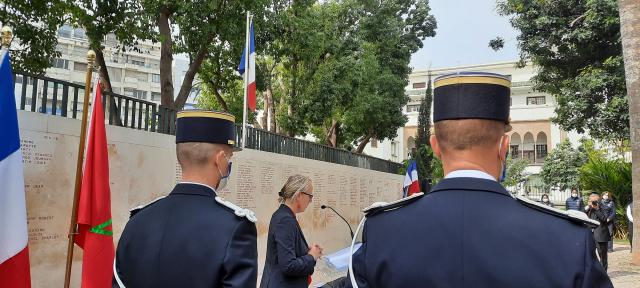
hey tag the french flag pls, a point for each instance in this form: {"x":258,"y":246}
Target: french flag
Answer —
{"x":14,"y":252}
{"x":411,"y":183}
{"x":251,"y":77}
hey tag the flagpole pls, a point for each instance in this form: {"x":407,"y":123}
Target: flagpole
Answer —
{"x":73,"y":227}
{"x":247,"y":50}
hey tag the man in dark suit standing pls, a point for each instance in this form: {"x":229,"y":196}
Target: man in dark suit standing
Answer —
{"x":601,"y":233}
{"x":192,"y":238}
{"x":468,"y":231}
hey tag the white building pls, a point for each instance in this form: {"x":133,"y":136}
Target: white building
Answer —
{"x":533,"y":135}
{"x":133,"y":74}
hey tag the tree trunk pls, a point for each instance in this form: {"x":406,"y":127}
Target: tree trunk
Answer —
{"x":271,"y":112}
{"x":265,"y":111}
{"x":630,"y":33}
{"x":166,"y":58}
{"x":103,"y":72}
{"x":332,"y":134}
{"x":364,"y":143}
{"x":187,"y":82}
{"x":223,"y":104}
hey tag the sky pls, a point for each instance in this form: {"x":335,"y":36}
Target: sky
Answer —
{"x":462,"y":37}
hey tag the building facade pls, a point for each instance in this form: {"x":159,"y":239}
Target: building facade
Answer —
{"x":533,"y":135}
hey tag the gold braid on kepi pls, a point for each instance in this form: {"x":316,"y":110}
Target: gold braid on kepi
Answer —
{"x":472,"y":95}
{"x":206,"y":126}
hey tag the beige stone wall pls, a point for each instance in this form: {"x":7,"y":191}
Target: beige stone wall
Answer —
{"x":143,"y":167}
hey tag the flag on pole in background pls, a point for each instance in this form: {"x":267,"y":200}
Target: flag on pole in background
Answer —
{"x":14,"y":251}
{"x":95,"y":233}
{"x":251,"y":79}
{"x":411,"y":183}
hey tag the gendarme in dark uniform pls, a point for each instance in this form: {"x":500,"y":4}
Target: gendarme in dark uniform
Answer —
{"x":468,"y":231}
{"x":191,"y":238}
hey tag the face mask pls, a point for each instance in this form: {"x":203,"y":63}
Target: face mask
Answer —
{"x":605,"y":197}
{"x":224,"y":178}
{"x":503,"y":173}
{"x":574,"y":195}
{"x":545,"y":200}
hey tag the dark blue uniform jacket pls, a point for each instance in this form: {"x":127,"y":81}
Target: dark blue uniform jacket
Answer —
{"x":470,"y":232}
{"x":187,"y":240}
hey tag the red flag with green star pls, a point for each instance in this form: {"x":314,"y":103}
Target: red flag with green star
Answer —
{"x":95,"y":234}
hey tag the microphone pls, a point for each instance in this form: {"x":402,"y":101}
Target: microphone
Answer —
{"x":345,"y":220}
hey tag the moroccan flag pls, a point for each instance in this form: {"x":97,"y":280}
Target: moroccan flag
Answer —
{"x":95,"y":234}
{"x":14,"y":252}
{"x":251,"y":77}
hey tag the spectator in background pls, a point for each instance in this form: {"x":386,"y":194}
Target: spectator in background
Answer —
{"x":545,"y":200}
{"x":601,"y":233}
{"x":610,"y":208}
{"x":630,"y":224}
{"x":575,"y":201}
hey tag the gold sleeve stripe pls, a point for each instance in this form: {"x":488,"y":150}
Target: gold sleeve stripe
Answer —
{"x":472,"y":80}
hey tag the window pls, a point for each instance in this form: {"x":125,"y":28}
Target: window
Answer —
{"x":77,"y":66}
{"x":136,"y":62}
{"x":155,"y":78}
{"x":65,"y":31}
{"x":79,"y":33}
{"x":413,"y":108}
{"x":537,"y":100}
{"x":374,"y":143}
{"x":138,"y":94}
{"x":515,"y":151}
{"x":419,"y":85}
{"x":541,"y":151}
{"x":155,"y":96}
{"x":60,"y":63}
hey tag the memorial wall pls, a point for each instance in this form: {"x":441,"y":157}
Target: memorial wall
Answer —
{"x":143,"y":167}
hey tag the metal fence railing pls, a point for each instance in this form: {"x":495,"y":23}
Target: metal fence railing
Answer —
{"x":61,"y":98}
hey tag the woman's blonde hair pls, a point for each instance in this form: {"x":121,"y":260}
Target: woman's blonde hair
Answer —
{"x":294,"y":185}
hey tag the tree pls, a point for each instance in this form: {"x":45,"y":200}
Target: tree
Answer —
{"x":629,"y":22}
{"x":425,"y":156}
{"x":576,"y":46}
{"x":613,"y":175}
{"x":34,"y":24}
{"x":100,"y":18}
{"x":515,"y":171}
{"x":200,"y":29}
{"x":232,"y":98}
{"x":560,"y":168}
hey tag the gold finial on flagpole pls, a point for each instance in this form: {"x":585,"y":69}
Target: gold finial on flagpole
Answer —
{"x":7,"y":36}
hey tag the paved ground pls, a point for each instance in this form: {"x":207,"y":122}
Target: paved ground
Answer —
{"x":622,"y":273}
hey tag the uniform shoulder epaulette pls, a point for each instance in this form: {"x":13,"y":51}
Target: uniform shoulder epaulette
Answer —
{"x":239,"y":211}
{"x":571,"y":215}
{"x":379,"y":207}
{"x":139,"y":208}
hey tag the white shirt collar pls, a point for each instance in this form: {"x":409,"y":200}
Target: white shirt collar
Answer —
{"x":470,"y":174}
{"x":196,"y":183}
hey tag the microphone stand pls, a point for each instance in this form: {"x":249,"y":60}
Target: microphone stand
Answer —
{"x":345,"y":220}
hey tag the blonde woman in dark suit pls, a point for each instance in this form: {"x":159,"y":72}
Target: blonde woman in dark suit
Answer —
{"x":290,"y":260}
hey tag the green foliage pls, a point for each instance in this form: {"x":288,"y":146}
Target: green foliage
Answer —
{"x":576,"y":46}
{"x":425,"y":154}
{"x":560,"y":168}
{"x":100,"y":18}
{"x":515,"y":171}
{"x":345,"y":62}
{"x":34,"y":24}
{"x":233,"y":97}
{"x":437,"y":173}
{"x":614,"y":175}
